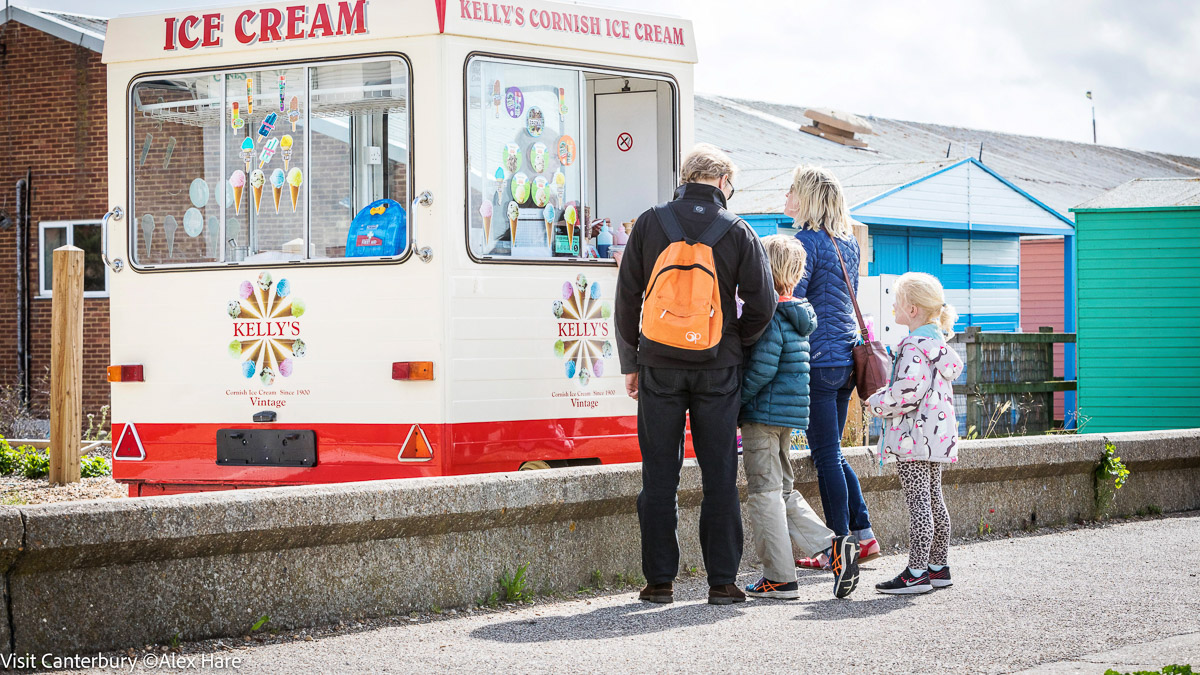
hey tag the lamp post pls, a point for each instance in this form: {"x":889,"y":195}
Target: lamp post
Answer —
{"x":1089,"y":95}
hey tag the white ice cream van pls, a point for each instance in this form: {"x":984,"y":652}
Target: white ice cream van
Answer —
{"x":354,"y":240}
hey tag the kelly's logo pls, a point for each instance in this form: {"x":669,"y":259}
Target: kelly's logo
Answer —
{"x":583,"y":330}
{"x":266,"y":328}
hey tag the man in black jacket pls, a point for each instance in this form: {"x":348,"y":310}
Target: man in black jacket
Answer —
{"x":667,"y":383}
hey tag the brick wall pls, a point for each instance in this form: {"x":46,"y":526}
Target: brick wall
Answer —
{"x":52,"y":120}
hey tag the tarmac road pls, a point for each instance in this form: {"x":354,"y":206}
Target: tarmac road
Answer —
{"x":1123,"y":595}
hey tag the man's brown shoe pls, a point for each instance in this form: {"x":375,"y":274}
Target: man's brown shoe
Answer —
{"x":660,"y":593}
{"x":725,"y":594}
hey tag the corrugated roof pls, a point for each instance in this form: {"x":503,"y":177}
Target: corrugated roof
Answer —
{"x":1061,"y":174}
{"x":763,"y":190}
{"x":79,"y":29}
{"x":1148,"y":193}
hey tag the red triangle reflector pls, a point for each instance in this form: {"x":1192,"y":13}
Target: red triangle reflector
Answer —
{"x":416,"y":446}
{"x":129,"y":445}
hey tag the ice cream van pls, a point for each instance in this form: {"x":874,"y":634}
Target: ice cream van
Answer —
{"x":357,"y":240}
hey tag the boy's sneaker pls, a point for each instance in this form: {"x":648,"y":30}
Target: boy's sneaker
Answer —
{"x":868,"y":550}
{"x":725,"y":594}
{"x":820,"y":562}
{"x":660,"y":593}
{"x":906,"y":584}
{"x":844,"y":562}
{"x":765,"y":588}
{"x":940,"y":578}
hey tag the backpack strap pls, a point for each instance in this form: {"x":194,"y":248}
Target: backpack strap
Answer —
{"x":718,"y":228}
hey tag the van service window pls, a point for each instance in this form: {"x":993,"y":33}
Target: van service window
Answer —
{"x":306,"y":162}
{"x":554,"y":152}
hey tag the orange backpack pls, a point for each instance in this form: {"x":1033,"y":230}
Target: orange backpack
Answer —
{"x":682,"y":304}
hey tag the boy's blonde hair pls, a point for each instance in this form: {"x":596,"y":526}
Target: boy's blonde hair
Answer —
{"x":706,"y":162}
{"x":821,"y":202}
{"x":925,"y":292}
{"x":786,"y":255}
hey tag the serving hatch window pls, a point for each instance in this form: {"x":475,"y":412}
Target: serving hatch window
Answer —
{"x":562,"y":159}
{"x":306,"y":162}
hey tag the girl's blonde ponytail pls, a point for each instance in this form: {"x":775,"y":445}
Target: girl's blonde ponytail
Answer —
{"x":926,"y":293}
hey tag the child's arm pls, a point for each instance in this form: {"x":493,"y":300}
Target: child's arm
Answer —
{"x":911,"y":382}
{"x":764,"y":362}
{"x":808,"y":319}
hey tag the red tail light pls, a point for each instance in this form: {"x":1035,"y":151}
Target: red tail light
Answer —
{"x":412,"y":370}
{"x":129,"y":446}
{"x":125,"y":374}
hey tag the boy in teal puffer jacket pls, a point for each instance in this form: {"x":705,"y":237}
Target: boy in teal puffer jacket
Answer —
{"x":774,"y":402}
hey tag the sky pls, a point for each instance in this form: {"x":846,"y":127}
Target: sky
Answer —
{"x":1017,"y":66}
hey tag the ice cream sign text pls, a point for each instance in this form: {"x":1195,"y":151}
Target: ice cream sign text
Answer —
{"x":569,"y":22}
{"x":295,"y":22}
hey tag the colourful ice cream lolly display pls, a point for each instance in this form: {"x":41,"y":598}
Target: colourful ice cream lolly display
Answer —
{"x":235,"y":118}
{"x":238,"y":181}
{"x":294,"y":179}
{"x":267,"y":126}
{"x":277,"y":181}
{"x":268,"y":151}
{"x":293,"y":113}
{"x":249,"y":108}
{"x":562,"y":104}
{"x":282,"y":84}
{"x":285,"y":149}
{"x":497,"y":97}
{"x":248,"y":151}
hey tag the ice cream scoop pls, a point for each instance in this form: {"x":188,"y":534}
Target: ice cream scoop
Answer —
{"x":257,"y":180}
{"x":268,"y":151}
{"x":285,"y":149}
{"x":248,"y":151}
{"x":238,"y":181}
{"x":294,"y":179}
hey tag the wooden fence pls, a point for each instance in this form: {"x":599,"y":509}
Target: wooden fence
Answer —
{"x":1010,"y":383}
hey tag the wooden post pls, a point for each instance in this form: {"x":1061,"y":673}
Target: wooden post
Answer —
{"x":66,"y":365}
{"x":974,"y":400}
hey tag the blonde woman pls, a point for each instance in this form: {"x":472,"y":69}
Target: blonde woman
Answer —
{"x":816,"y":203}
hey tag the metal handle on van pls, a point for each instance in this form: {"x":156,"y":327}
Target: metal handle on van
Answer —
{"x":423,"y":252}
{"x":116,"y":214}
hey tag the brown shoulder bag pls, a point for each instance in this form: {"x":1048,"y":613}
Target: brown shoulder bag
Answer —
{"x":871,"y":362}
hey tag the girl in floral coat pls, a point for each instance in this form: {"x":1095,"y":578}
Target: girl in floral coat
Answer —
{"x":920,"y":430}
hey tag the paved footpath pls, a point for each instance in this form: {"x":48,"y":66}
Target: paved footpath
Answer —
{"x":1123,"y":595}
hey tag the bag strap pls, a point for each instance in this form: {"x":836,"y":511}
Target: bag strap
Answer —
{"x":849,"y":286}
{"x":721,"y":224}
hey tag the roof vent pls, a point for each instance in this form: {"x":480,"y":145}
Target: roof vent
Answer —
{"x":838,"y":127}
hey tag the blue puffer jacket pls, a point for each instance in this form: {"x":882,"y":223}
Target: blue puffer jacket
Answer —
{"x":825,"y":287}
{"x":775,"y":383}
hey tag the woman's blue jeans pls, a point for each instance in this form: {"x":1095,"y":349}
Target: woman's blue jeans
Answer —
{"x":841,"y":495}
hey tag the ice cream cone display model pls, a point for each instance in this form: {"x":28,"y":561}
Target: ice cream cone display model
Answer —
{"x":512,"y":212}
{"x":294,"y":179}
{"x":571,"y":215}
{"x":549,"y":215}
{"x":257,"y":181}
{"x":267,"y":126}
{"x":248,"y":151}
{"x":268,"y":151}
{"x":293,"y":113}
{"x":238,"y":182}
{"x":277,"y":181}
{"x":170,"y":225}
{"x":497,"y":97}
{"x":560,"y":185}
{"x":499,"y":178}
{"x":285,"y":150}
{"x":147,"y":230}
{"x":485,"y":211}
